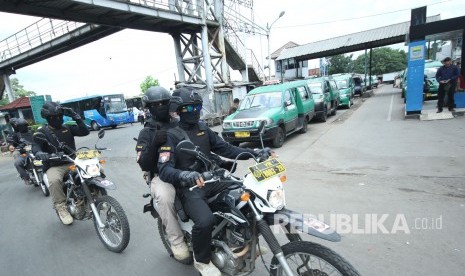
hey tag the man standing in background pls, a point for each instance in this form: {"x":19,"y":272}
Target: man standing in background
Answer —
{"x":447,"y":78}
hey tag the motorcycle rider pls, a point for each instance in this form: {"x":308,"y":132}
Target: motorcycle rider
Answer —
{"x":156,"y":100}
{"x":20,"y":128}
{"x":177,"y":171}
{"x":62,"y":138}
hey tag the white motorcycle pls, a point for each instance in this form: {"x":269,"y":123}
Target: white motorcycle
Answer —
{"x":246,"y":210}
{"x":86,"y":197}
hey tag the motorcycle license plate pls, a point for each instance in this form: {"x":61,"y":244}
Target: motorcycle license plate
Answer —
{"x":265,"y":170}
{"x":87,"y":154}
{"x":242,"y":134}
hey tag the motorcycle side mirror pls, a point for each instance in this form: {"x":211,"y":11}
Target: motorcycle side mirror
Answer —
{"x":261,"y":127}
{"x":101,"y":134}
{"x":261,"y":130}
{"x":185,"y":148}
{"x":39,"y":137}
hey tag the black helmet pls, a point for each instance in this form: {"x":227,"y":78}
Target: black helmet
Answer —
{"x":155,"y":94}
{"x":51,"y":109}
{"x":182,"y":97}
{"x":19,"y":125}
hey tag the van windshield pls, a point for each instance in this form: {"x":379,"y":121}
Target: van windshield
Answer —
{"x":315,"y":88}
{"x":342,"y":84}
{"x":431,"y":72}
{"x":265,"y":100}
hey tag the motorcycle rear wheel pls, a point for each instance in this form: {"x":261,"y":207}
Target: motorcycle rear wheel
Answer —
{"x":307,"y":258}
{"x":115,"y":236}
{"x":166,"y":242}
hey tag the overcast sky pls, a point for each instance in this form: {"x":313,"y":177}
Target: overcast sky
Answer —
{"x":120,"y":62}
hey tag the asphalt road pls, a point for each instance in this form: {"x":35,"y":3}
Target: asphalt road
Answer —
{"x":392,"y":187}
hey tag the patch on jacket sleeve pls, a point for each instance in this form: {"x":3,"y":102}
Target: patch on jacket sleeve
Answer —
{"x":164,"y":157}
{"x":138,"y":156}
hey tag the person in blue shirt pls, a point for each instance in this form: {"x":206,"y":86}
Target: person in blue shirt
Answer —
{"x":447,"y":76}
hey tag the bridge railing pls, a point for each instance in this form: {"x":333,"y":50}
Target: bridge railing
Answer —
{"x":35,"y":35}
{"x":252,"y":60}
{"x":247,"y":54}
{"x":191,"y":8}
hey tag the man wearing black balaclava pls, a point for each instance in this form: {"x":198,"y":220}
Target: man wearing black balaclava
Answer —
{"x":57,"y":133}
{"x":156,"y":100}
{"x":183,"y":173}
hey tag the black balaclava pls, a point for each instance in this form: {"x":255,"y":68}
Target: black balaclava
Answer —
{"x":161,"y":112}
{"x":190,"y":118}
{"x":55,"y":121}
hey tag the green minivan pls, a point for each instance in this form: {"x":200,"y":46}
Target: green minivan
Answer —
{"x":326,"y":96}
{"x":286,"y":108}
{"x":345,"y":84}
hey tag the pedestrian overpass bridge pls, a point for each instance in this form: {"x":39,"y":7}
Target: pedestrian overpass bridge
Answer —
{"x":205,"y":41}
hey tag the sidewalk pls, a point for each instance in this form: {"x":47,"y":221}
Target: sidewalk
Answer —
{"x":428,"y":113}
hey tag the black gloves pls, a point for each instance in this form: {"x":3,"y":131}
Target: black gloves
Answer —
{"x":42,"y":156}
{"x":263,"y":154}
{"x":189,"y":179}
{"x":70,"y":113}
{"x":159,"y":139}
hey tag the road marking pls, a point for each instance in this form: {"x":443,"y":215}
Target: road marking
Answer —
{"x":390,"y":109}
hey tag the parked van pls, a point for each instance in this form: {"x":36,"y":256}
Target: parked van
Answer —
{"x":360,"y":87}
{"x":346,"y":87}
{"x":286,"y":108}
{"x":431,"y":67}
{"x":326,"y":96}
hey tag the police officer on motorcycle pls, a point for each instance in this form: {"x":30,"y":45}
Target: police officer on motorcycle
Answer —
{"x":60,"y":139}
{"x":180,"y":172}
{"x":151,"y":137}
{"x":17,"y":139}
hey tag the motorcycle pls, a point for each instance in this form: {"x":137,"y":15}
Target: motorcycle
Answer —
{"x":86,"y":197}
{"x":33,"y":166}
{"x":245,"y":211}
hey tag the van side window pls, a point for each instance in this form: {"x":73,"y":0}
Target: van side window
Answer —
{"x":303,"y":92}
{"x":287,"y":97}
{"x":333,"y":85}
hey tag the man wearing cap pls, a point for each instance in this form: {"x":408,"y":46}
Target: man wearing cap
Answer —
{"x":447,"y":78}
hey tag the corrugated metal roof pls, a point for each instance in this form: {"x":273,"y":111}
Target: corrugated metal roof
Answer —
{"x":353,"y":42}
{"x":22,"y":102}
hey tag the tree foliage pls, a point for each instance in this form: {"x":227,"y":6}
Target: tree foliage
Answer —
{"x":384,"y":60}
{"x":18,"y":91}
{"x":341,"y":64}
{"x":147,"y":83}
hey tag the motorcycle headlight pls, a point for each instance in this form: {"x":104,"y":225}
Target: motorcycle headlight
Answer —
{"x":276,"y":199}
{"x":93,"y":170}
{"x":37,"y":162}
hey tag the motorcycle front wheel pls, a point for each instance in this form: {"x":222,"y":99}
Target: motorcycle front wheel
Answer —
{"x":42,"y":184}
{"x":115,"y":235}
{"x":307,"y":258}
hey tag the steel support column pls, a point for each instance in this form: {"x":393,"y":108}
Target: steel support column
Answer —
{"x":8,"y":89}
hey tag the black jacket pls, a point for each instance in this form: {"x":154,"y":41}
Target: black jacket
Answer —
{"x":202,"y":136}
{"x":65,"y":135}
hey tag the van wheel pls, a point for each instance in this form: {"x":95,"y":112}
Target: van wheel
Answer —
{"x":304,"y":126}
{"x":334,"y":109}
{"x":278,"y":140}
{"x":324,"y":116}
{"x":95,"y":126}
